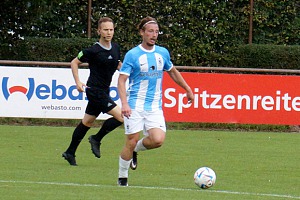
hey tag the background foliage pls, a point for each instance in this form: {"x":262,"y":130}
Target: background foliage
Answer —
{"x":268,"y":56}
{"x":197,"y":32}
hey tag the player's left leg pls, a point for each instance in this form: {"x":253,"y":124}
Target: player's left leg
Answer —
{"x":154,"y":132}
{"x":155,"y":139}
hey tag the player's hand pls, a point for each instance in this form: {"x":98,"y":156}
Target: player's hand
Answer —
{"x":190,"y":97}
{"x":81,"y":87}
{"x":126,"y":110}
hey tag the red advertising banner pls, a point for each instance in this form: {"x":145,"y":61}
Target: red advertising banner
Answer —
{"x":234,"y":98}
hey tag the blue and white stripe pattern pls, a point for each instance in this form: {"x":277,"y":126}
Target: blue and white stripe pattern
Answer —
{"x":145,"y":70}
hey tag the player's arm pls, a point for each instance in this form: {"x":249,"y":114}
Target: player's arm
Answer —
{"x":126,"y":110}
{"x":74,"y":66}
{"x":176,"y":76}
{"x":119,"y":65}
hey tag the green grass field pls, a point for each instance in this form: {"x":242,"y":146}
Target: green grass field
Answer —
{"x":249,"y":165}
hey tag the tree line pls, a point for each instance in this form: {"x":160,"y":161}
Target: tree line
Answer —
{"x":196,"y":32}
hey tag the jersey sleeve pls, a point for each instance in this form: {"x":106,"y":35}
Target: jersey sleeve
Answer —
{"x":168,"y":63}
{"x":127,"y":64}
{"x":84,"y":55}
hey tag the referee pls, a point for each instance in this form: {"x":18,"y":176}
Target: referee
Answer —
{"x":104,"y":59}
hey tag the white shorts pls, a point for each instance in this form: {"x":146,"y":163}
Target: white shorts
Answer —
{"x":144,"y":120}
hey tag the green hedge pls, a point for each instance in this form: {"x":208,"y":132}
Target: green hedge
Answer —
{"x":197,"y":33}
{"x":47,"y":49}
{"x":252,"y":56}
{"x":268,"y":56}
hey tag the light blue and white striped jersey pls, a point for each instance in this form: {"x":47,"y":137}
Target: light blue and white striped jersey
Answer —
{"x":145,"y":70}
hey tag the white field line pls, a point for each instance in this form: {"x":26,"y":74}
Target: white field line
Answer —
{"x":153,"y":188}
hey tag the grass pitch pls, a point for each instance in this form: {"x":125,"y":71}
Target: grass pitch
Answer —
{"x":249,"y":165}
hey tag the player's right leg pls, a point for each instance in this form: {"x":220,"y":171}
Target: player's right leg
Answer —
{"x":126,"y":157}
{"x":133,"y":125}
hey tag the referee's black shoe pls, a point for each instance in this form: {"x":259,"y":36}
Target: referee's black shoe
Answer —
{"x":70,"y":158}
{"x":95,"y":146}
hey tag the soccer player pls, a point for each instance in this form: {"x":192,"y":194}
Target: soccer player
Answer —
{"x":142,"y":104}
{"x":104,"y":59}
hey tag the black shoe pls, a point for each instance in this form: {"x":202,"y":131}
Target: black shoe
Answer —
{"x":70,"y":158}
{"x":133,"y":163}
{"x":123,"y":182}
{"x":95,"y":146}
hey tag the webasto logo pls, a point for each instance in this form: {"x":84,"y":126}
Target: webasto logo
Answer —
{"x":54,"y":91}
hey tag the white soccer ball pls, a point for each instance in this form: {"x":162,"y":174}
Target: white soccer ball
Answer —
{"x":205,"y":177}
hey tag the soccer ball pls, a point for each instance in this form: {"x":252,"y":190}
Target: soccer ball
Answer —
{"x":205,"y":177}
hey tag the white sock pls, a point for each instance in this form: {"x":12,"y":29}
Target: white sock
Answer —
{"x":139,"y":146}
{"x":123,"y":167}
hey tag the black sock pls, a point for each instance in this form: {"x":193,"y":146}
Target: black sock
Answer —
{"x":77,"y":136}
{"x":108,"y":126}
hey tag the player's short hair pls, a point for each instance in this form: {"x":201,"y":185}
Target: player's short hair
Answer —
{"x":145,"y":21}
{"x":104,"y":19}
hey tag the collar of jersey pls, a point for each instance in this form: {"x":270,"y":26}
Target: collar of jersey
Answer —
{"x":146,"y":49}
{"x":104,"y":46}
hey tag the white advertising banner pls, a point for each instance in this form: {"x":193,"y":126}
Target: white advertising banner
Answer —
{"x":45,"y":93}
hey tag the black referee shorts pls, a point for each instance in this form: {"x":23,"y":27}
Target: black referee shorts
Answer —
{"x":98,"y":101}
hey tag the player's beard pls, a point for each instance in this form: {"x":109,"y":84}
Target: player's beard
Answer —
{"x":150,"y":44}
